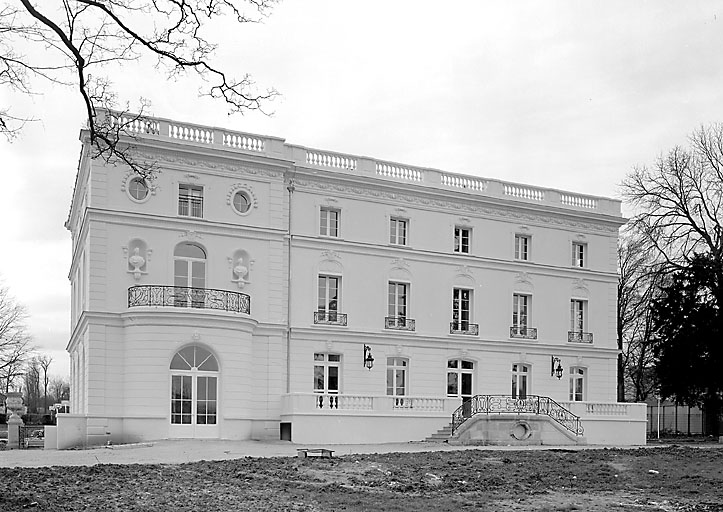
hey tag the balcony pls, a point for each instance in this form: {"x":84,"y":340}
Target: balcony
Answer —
{"x":399,"y":323}
{"x":464,"y":327}
{"x":186,"y":297}
{"x":329,"y":318}
{"x":579,"y":337}
{"x":525,"y":333}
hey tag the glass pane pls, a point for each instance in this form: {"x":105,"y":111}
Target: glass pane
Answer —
{"x":187,"y":250}
{"x":201,"y":408}
{"x":333,"y":223}
{"x":209,"y":364}
{"x":178,"y":363}
{"x":467,"y":365}
{"x":186,"y":407}
{"x":334,"y":357}
{"x":187,"y":394}
{"x":390,"y":381}
{"x":180,"y":273}
{"x":200,"y":388}
{"x":452,"y":384}
{"x":318,"y":357}
{"x":188,"y":356}
{"x":333,"y":378}
{"x":452,"y":363}
{"x":211,"y":388}
{"x":241,"y":202}
{"x":318,"y":378}
{"x":466,"y":384}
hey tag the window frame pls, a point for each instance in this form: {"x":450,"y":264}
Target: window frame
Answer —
{"x":326,"y":366}
{"x":579,"y":313}
{"x":521,"y":380}
{"x":249,"y":202}
{"x":325,"y":221}
{"x":397,"y":307}
{"x":579,"y":254}
{"x":460,"y":233}
{"x":458,"y":309}
{"x":327,"y":308}
{"x":192,"y":375}
{"x":577,"y":375}
{"x":527,"y":303}
{"x":519,"y":253}
{"x":395,"y":238}
{"x":190,"y":201}
{"x":130,"y":188}
{"x":458,"y":370}
{"x":397,"y":366}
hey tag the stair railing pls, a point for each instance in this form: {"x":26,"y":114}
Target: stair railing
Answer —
{"x":531,"y":404}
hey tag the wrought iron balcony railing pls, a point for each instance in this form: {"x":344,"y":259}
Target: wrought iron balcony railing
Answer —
{"x":531,"y":404}
{"x":329,"y":318}
{"x":186,"y":297}
{"x":579,"y":337}
{"x":464,"y":328}
{"x":399,"y":323}
{"x":527,"y":333}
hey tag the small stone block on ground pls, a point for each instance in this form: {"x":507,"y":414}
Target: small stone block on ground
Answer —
{"x":315,"y":452}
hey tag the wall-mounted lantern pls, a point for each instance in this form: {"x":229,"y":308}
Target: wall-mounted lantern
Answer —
{"x":368,"y":359}
{"x":556,"y":371}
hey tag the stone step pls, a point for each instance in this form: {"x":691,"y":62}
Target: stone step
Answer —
{"x":442,"y":435}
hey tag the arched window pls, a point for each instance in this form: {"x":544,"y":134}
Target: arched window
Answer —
{"x":194,"y":387}
{"x":189,"y":275}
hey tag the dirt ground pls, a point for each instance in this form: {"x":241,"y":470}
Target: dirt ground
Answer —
{"x":679,"y":478}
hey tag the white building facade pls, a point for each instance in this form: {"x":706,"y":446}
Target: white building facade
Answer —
{"x":256,"y":290}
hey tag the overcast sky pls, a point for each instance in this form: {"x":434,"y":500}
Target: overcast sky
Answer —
{"x":561,"y":94}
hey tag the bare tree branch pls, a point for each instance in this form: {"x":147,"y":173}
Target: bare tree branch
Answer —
{"x":79,"y":39}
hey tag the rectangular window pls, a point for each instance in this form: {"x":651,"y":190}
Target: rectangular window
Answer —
{"x":577,"y":384}
{"x":579,"y":258}
{"x":326,"y":373}
{"x":520,"y":305}
{"x":328,"y":298}
{"x":578,"y":312}
{"x":397,"y":301}
{"x":397,"y":376}
{"x":519,"y":380}
{"x":462,"y":239}
{"x":522,"y":247}
{"x":397,"y":231}
{"x":461,"y":301}
{"x":190,"y":201}
{"x":329,"y":222}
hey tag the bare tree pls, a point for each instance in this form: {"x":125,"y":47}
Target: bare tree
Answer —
{"x":44,"y":362}
{"x":31,"y":379}
{"x":59,"y":388}
{"x":74,"y":42}
{"x":15,"y":342}
{"x":640,"y":275}
{"x":680,"y":199}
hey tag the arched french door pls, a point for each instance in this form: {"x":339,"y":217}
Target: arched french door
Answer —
{"x":194,"y":393}
{"x":189,"y":275}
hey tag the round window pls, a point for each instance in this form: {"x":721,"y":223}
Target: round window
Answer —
{"x":241,"y":202}
{"x":138,"y":189}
